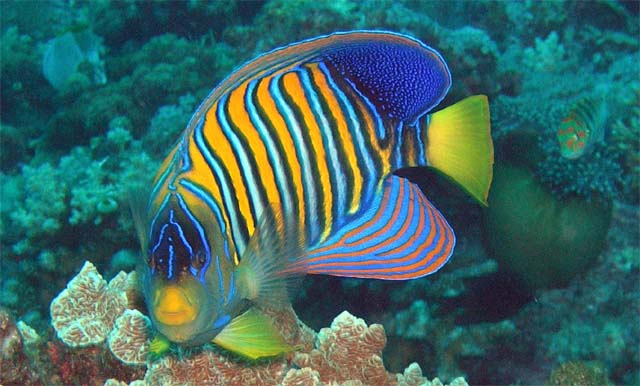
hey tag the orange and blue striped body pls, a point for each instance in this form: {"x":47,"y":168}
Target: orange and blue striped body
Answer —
{"x":309,"y":134}
{"x":297,"y":136}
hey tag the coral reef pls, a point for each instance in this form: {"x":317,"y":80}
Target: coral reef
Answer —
{"x":13,"y":360}
{"x":129,"y":339}
{"x":72,"y":157}
{"x":347,"y":353}
{"x":86,"y":311}
{"x":579,"y":373}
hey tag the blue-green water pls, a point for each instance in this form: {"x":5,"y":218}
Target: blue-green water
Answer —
{"x":94,"y":95}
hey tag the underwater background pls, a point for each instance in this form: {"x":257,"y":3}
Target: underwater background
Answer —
{"x":543,"y":287}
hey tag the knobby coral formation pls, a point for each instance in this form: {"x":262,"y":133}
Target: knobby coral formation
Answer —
{"x":129,"y":340}
{"x":348,"y":351}
{"x":85,"y":312}
{"x":89,"y":310}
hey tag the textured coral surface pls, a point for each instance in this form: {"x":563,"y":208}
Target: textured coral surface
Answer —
{"x":349,"y":352}
{"x":85,"y":312}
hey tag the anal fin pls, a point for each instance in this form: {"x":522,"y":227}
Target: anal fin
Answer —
{"x":401,"y":236}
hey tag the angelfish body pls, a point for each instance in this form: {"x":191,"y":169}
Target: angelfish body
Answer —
{"x":286,"y":168}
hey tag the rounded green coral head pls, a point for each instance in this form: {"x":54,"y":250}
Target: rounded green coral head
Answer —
{"x":579,"y":373}
{"x":546,"y":241}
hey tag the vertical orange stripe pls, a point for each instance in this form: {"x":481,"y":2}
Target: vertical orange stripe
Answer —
{"x":222,"y":148}
{"x":238,"y":114}
{"x":265,"y":100}
{"x":345,"y":137}
{"x":293,"y":86}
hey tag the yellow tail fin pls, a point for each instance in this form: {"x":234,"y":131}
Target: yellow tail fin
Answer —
{"x":459,"y":145}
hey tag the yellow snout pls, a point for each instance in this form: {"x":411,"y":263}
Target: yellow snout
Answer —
{"x":173,"y":307}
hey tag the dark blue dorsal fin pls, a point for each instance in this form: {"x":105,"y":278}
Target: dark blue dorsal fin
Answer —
{"x":400,"y":76}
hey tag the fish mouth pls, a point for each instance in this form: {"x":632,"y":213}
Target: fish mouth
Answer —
{"x":173,"y":306}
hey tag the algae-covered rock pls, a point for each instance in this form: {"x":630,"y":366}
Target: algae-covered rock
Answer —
{"x":578,"y":373}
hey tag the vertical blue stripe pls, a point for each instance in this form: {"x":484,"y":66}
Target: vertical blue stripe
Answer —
{"x":364,"y":152}
{"x":201,"y":233}
{"x":225,"y":188}
{"x":333,"y":161}
{"x":309,"y":186}
{"x":248,"y":173}
{"x":215,"y":208}
{"x":277,"y":163}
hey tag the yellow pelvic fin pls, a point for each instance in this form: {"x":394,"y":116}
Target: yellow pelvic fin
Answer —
{"x":252,"y":335}
{"x":459,"y":145}
{"x":159,"y":346}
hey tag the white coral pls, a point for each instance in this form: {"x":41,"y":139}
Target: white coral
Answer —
{"x":129,"y":340}
{"x":85,"y":312}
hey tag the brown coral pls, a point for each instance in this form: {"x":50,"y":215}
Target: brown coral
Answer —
{"x":413,"y":377}
{"x":347,"y":354}
{"x":129,"y":339}
{"x":301,"y":377}
{"x":85,"y":312}
{"x":348,"y":351}
{"x":210,"y":368}
{"x":15,"y":367}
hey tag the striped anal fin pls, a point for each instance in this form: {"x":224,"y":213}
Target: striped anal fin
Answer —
{"x":401,"y":236}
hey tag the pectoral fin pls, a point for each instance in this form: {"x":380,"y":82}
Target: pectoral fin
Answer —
{"x":159,"y":346}
{"x":252,"y":335}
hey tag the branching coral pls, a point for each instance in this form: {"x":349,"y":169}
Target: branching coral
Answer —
{"x":547,"y":54}
{"x":85,"y":312}
{"x":597,"y":174}
{"x":43,"y":206}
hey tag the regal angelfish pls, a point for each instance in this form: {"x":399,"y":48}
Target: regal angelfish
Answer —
{"x":286,"y":169}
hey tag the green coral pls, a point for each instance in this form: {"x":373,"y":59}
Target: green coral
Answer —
{"x":547,"y":54}
{"x":167,"y":124}
{"x":87,"y":186}
{"x":625,"y":136}
{"x":578,"y":373}
{"x":43,"y":203}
